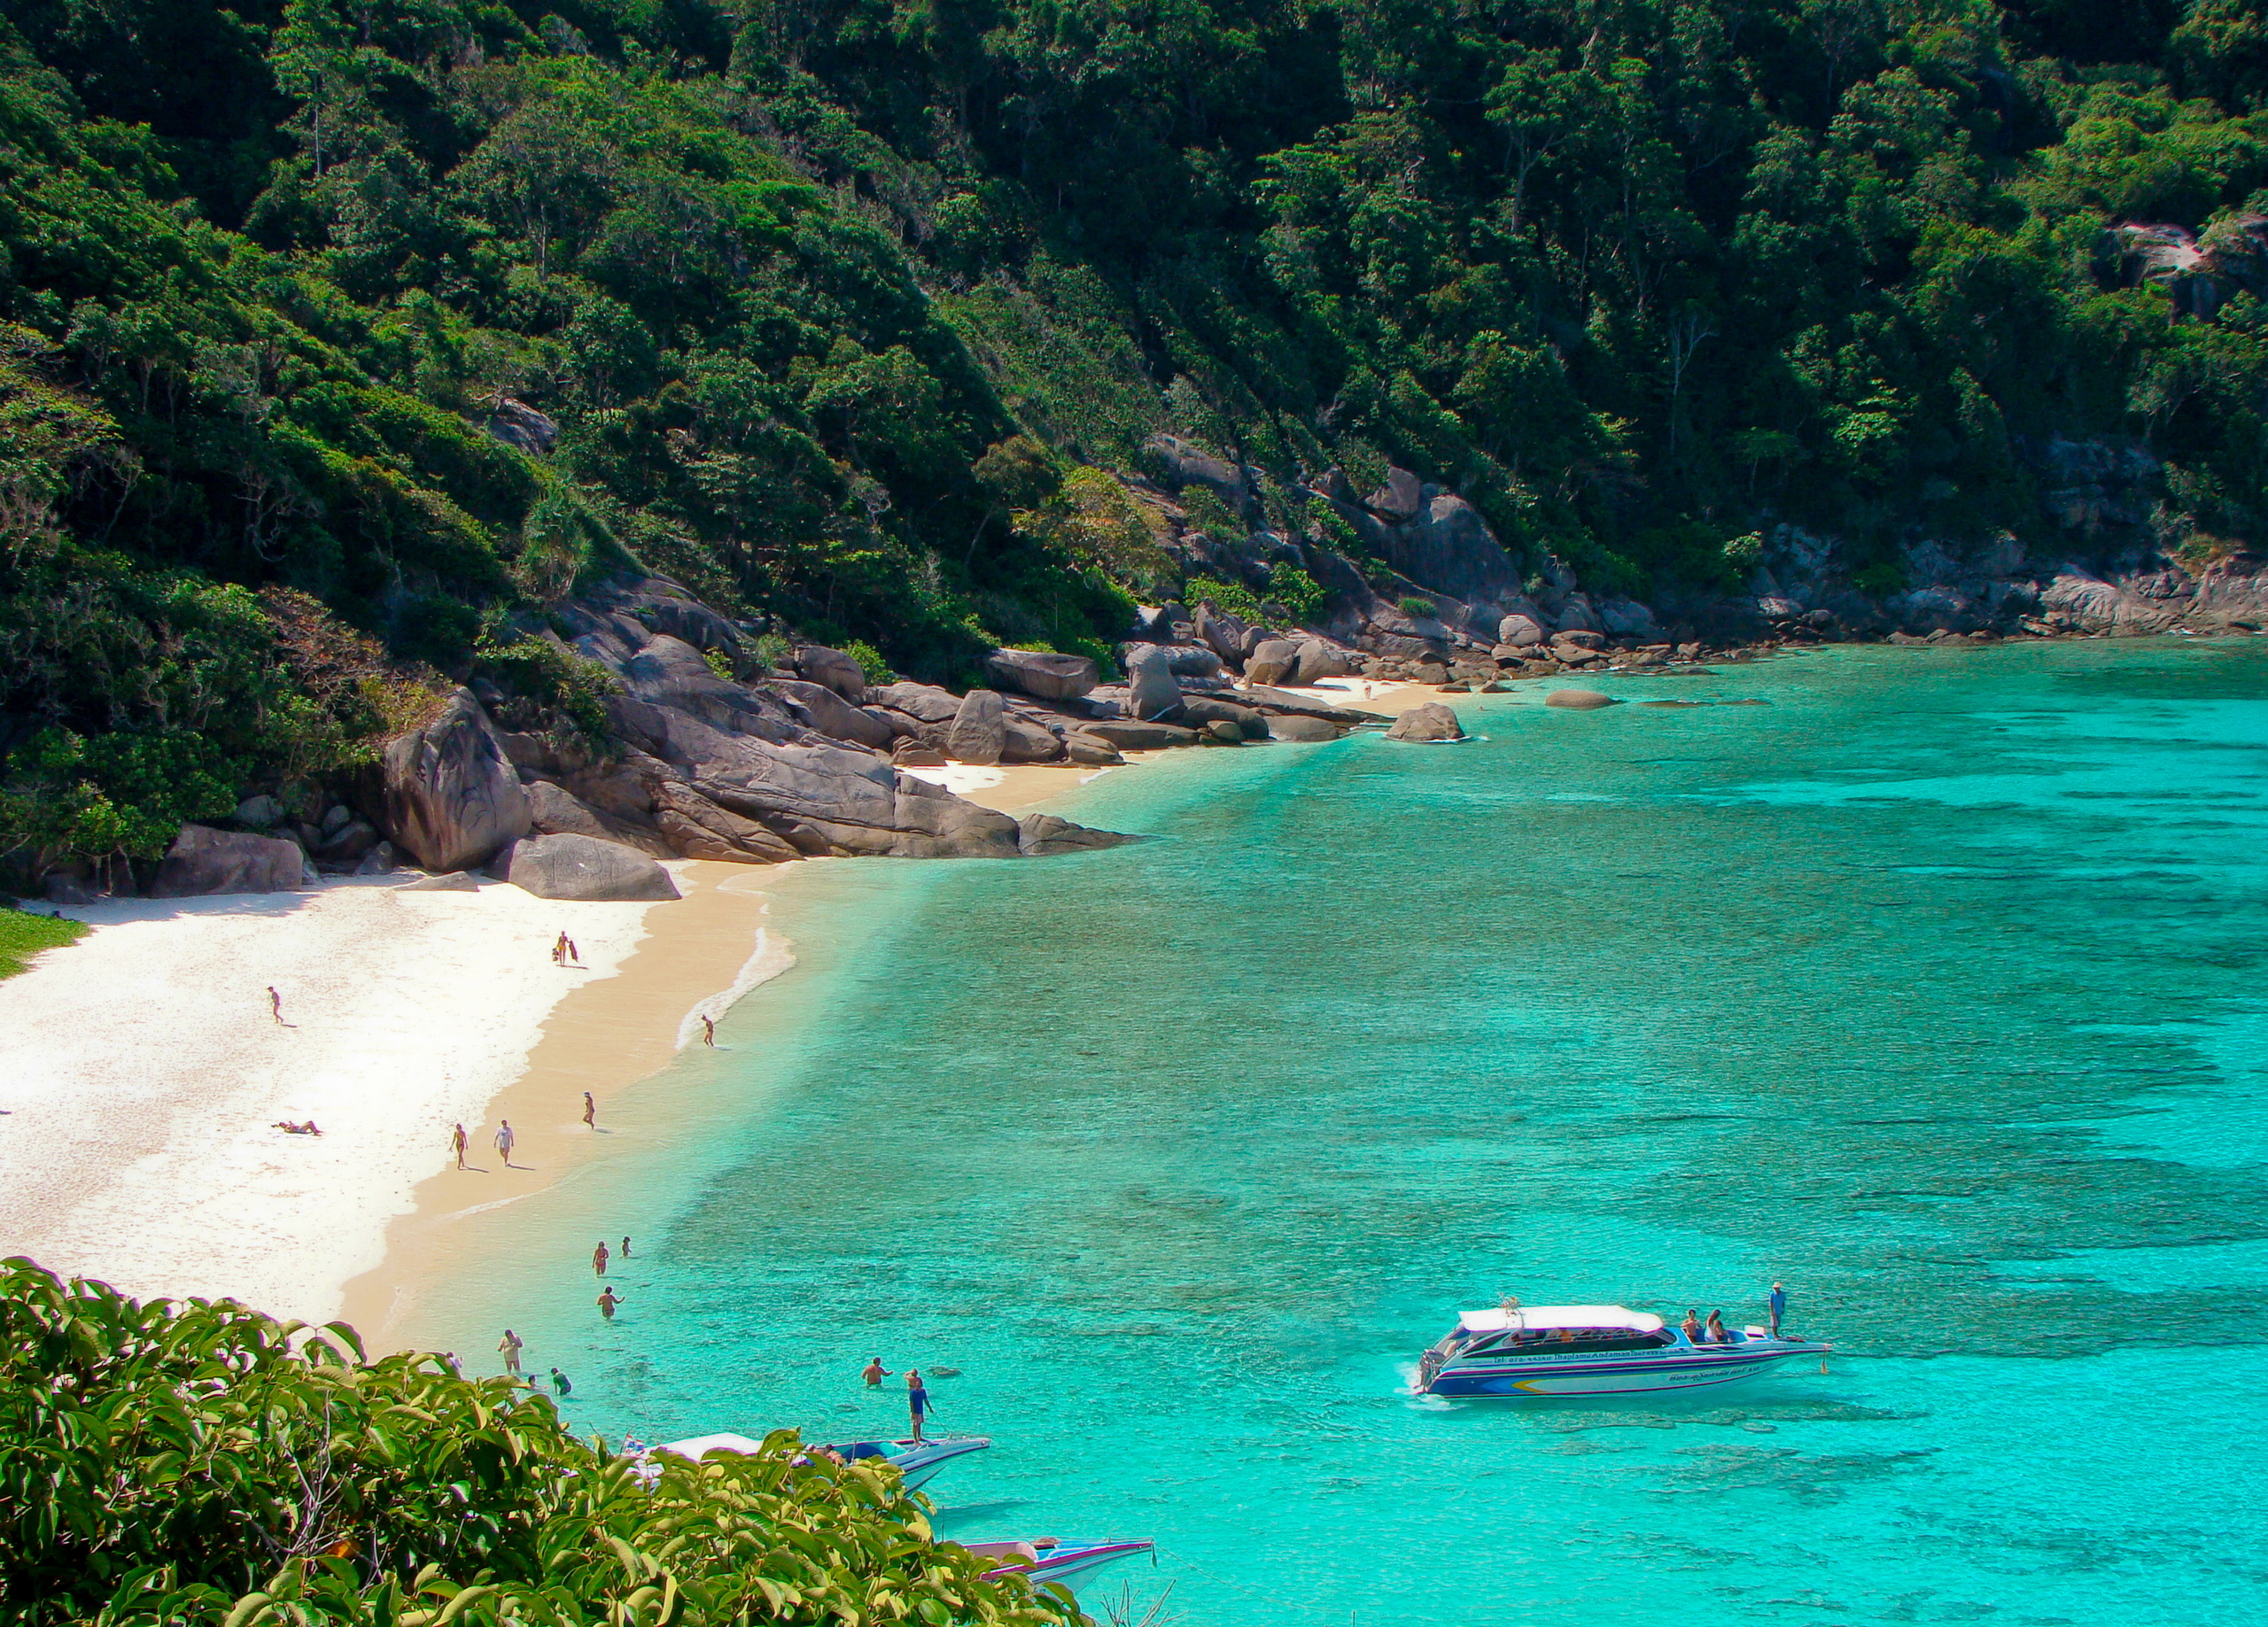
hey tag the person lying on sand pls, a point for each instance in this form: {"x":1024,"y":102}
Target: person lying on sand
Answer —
{"x":290,"y":1128}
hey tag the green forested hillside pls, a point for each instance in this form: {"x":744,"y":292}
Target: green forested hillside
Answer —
{"x":338,"y":332}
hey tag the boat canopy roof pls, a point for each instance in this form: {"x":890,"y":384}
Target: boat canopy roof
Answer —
{"x":1548,"y":1317}
{"x":701,"y":1445}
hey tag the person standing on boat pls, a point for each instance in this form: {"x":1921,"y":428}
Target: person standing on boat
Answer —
{"x":1779,"y":1306}
{"x":917,"y":1400}
{"x":1691,"y":1326}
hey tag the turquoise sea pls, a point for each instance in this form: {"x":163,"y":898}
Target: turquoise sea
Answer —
{"x":1937,"y":986}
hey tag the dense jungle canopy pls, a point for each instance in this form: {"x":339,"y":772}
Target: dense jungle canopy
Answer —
{"x":338,"y":337}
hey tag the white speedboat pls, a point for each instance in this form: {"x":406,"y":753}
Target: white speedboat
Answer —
{"x":1042,"y":1560}
{"x":1590,"y":1350}
{"x":916,"y":1461}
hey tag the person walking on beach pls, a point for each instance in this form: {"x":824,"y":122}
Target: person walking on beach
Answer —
{"x":559,"y":1383}
{"x":875,"y":1373}
{"x":504,"y":1140}
{"x":274,"y":1004}
{"x":607,"y":1300}
{"x":510,"y":1346}
{"x":1779,"y":1306}
{"x":598,"y":1258}
{"x":708,"y":1031}
{"x":917,"y":1400}
{"x":456,"y":1144}
{"x":590,"y":1111}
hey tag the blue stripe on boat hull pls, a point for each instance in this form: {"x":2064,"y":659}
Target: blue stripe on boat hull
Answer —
{"x":1607,"y":1377}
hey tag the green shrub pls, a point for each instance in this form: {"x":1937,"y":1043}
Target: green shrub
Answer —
{"x":1880,"y":579}
{"x":1299,"y":593}
{"x":773,"y":650}
{"x":23,"y":935}
{"x":870,"y":662}
{"x":1234,"y":597}
{"x":1411,"y":605}
{"x":197,"y":1465}
{"x":564,"y":683}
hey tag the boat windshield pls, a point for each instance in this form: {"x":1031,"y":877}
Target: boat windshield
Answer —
{"x":1569,"y":1341}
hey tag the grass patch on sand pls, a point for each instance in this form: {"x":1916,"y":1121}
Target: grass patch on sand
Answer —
{"x":24,"y":936}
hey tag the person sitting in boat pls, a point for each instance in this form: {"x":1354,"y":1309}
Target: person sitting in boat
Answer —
{"x":1691,"y":1327}
{"x":1717,"y":1334}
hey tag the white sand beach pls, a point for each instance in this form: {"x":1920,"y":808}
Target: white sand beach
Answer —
{"x":141,"y":1075}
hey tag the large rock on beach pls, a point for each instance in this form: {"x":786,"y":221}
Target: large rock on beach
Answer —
{"x":1201,"y":710}
{"x":1092,"y":750}
{"x":203,"y":860}
{"x":1316,"y":660}
{"x":1026,"y":740}
{"x":586,"y":869}
{"x":1272,"y":661}
{"x":1432,"y":722}
{"x":1519,"y":632}
{"x":828,"y":713}
{"x":831,"y":667}
{"x":451,"y":800}
{"x":556,"y":811}
{"x":1277,"y":703}
{"x":1041,"y":674}
{"x":977,"y":734}
{"x":1231,"y":637}
{"x":1578,"y":700}
{"x":1151,"y":690}
{"x":1129,"y":735}
{"x":697,"y":828}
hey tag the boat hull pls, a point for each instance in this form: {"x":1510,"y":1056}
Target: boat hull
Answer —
{"x":1650,"y":1376}
{"x":1069,"y":1563}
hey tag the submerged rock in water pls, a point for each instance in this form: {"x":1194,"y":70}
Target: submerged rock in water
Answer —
{"x":1429,"y":724}
{"x":1294,"y":727}
{"x":1578,"y":700}
{"x":1039,"y":834}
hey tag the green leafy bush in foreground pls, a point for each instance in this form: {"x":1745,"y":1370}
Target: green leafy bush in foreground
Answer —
{"x":201,"y":1463}
{"x":23,"y":936}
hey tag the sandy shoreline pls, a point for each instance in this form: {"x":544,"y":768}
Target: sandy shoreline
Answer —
{"x":141,"y":1072}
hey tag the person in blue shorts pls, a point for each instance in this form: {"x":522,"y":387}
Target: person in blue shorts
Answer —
{"x":917,"y":1400}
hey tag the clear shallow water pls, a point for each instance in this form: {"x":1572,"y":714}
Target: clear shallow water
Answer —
{"x":1935,"y":987}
